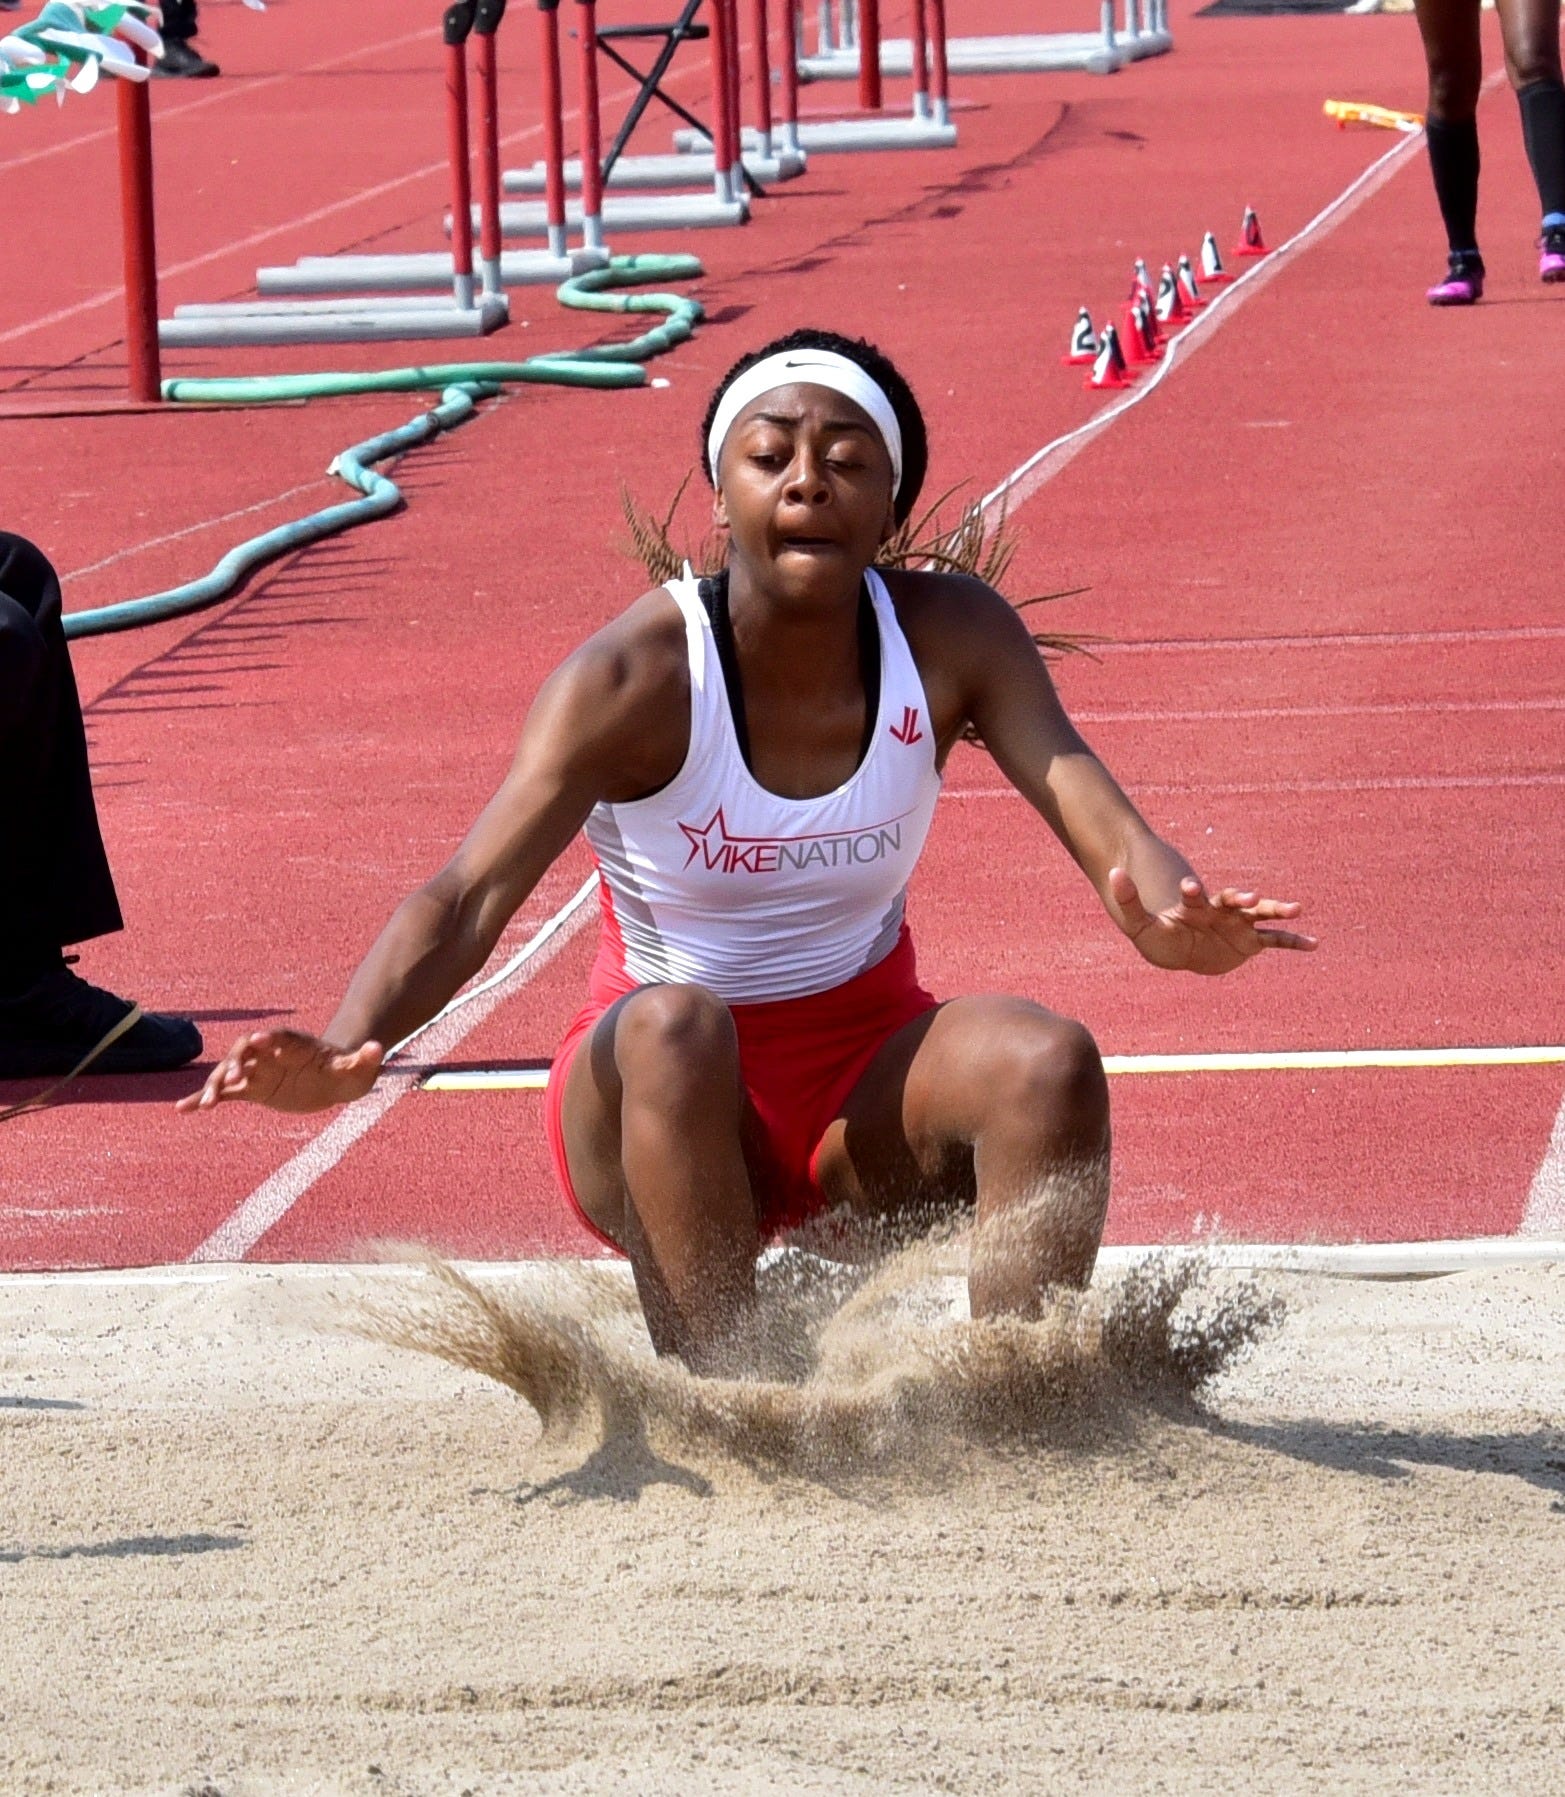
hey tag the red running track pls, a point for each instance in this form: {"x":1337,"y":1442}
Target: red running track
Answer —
{"x":1321,"y":553}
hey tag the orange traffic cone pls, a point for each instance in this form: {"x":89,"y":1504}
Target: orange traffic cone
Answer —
{"x":1170,"y":308}
{"x":1140,"y":280}
{"x":1140,"y":345}
{"x":1109,"y":369}
{"x":1249,"y":243}
{"x":1190,"y":292}
{"x":1084,"y":343}
{"x":1150,"y":328}
{"x":1211,"y":263}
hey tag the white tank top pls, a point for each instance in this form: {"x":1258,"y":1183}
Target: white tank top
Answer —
{"x":715,"y":881}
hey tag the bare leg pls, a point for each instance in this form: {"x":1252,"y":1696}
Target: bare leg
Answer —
{"x":654,"y":1115}
{"x":995,"y":1102}
{"x":1531,"y":33}
{"x":1530,"y":30}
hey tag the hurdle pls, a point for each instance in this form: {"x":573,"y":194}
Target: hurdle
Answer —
{"x":928,"y":125}
{"x":422,"y":271}
{"x":381,"y":317}
{"x":1144,"y":33}
{"x":759,"y":168}
{"x":640,"y":200}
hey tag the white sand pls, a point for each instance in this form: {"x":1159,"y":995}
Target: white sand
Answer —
{"x":240,"y":1555}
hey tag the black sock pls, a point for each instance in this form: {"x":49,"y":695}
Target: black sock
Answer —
{"x":1543,"y":128}
{"x":1453,"y":161}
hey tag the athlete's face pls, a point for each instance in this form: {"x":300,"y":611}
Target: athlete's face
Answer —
{"x":804,"y":491}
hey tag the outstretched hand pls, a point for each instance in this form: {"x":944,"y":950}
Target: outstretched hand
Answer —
{"x":1202,"y":934}
{"x":288,"y":1071}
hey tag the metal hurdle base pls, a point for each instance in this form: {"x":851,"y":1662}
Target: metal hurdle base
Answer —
{"x":386,"y":320}
{"x":627,"y":212}
{"x":697,"y":169}
{"x":427,"y":270}
{"x":1043,"y":54}
{"x":836,"y":135}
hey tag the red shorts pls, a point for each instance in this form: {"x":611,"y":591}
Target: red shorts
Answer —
{"x":799,"y":1059}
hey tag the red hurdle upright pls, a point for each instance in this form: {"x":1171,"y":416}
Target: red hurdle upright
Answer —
{"x":591,"y":130}
{"x":139,"y":240}
{"x":869,"y":55}
{"x":553,"y":122}
{"x":455,"y":26}
{"x":486,"y":23}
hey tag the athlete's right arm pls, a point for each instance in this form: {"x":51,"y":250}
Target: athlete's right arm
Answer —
{"x":610,"y":723}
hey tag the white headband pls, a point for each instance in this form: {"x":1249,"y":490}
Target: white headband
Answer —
{"x":814,"y":368}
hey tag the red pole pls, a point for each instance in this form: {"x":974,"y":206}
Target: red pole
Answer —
{"x":591,"y":133}
{"x":489,"y":16}
{"x":869,"y":55}
{"x":790,"y":72}
{"x":940,"y":86}
{"x":553,"y":123}
{"x":457,"y":23}
{"x":920,"y":59}
{"x":139,"y":238}
{"x":735,"y":89}
{"x":763,"y":73}
{"x":722,"y":120}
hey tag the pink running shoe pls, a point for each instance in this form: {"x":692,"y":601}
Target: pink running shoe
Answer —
{"x":1463,"y":283}
{"x":1551,"y":254}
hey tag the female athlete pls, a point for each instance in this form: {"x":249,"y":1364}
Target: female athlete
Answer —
{"x":1531,"y":33}
{"x":755,"y":760}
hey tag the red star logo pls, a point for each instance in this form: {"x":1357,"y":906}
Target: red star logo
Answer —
{"x":697,"y":838}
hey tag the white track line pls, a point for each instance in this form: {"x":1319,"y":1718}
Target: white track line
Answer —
{"x":1018,"y":487}
{"x":1348,"y":1260}
{"x":235,"y":88}
{"x":1261,"y":788}
{"x":1237,"y":714}
{"x":191,"y":530}
{"x":1343,"y":639}
{"x":1296,"y":1060}
{"x":275,"y":1197}
{"x":1545,"y":1210}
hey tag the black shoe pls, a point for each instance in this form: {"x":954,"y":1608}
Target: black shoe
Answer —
{"x":46,"y":1029}
{"x":180,"y":57}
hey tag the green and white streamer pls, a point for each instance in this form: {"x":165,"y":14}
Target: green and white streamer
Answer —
{"x":69,"y":46}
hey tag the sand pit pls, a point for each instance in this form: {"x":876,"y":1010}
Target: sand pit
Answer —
{"x":243,"y":1553}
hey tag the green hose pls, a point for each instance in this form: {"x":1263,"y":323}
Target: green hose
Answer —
{"x":604,"y":365}
{"x":460,"y":385}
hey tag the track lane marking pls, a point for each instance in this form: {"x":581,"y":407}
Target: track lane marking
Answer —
{"x":534,"y":1079}
{"x":1545,"y":1209}
{"x":1041,"y":467}
{"x":1261,"y":788}
{"x":1236,"y":714}
{"x":271,"y":1201}
{"x":235,"y":88}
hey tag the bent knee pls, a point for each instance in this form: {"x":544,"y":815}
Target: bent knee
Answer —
{"x":668,"y":1031}
{"x":1052,"y":1066}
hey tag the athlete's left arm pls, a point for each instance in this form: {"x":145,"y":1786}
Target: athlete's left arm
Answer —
{"x":1146,"y":885}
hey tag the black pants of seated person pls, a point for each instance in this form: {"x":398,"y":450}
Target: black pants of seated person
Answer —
{"x":55,"y":885}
